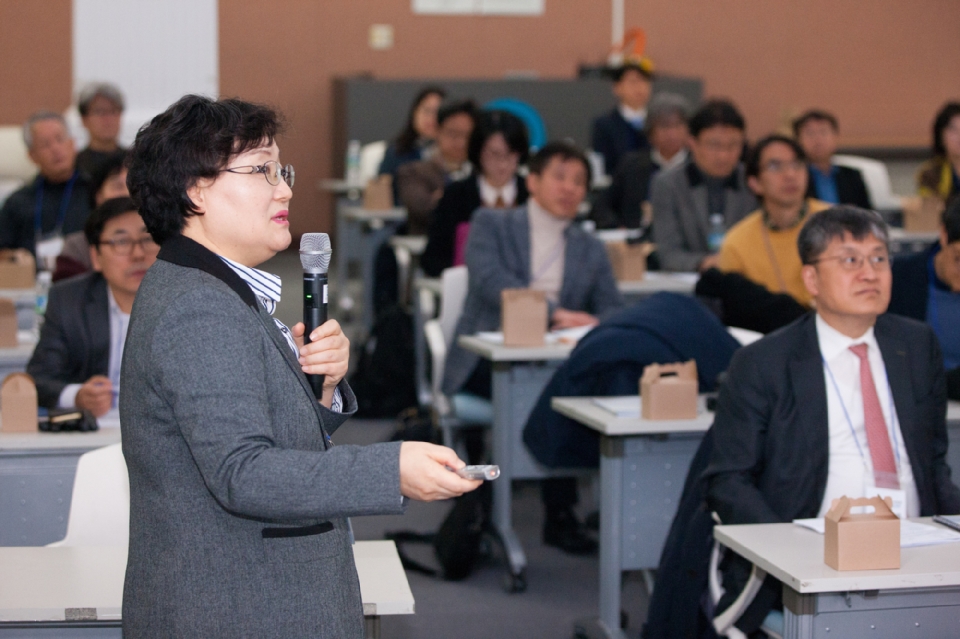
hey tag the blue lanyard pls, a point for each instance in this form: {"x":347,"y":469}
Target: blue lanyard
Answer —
{"x":64,"y":204}
{"x":853,"y":433}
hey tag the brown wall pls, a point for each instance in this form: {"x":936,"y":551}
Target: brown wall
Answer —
{"x":35,"y":57}
{"x":884,"y":66}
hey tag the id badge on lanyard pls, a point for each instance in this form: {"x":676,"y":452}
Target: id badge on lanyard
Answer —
{"x":47,"y":252}
{"x":48,"y":247}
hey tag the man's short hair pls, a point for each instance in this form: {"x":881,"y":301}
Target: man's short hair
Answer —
{"x":716,"y":113}
{"x":753,"y":158}
{"x":102,"y":89}
{"x":664,"y":107}
{"x":815,"y":115}
{"x":193,"y":139}
{"x":450,"y":109}
{"x":951,"y":221}
{"x":949,"y":111}
{"x":642,"y":65}
{"x":836,"y":223}
{"x":488,"y":124}
{"x":39,"y":116}
{"x":564,"y":150}
{"x":114,"y":207}
{"x":112,"y":165}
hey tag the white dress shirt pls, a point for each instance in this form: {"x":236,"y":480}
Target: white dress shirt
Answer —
{"x":119,"y":321}
{"x":636,"y":117}
{"x":489,"y":194}
{"x":266,"y":287}
{"x":850,"y":468}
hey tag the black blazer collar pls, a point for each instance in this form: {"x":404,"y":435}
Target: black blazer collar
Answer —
{"x":183,"y":251}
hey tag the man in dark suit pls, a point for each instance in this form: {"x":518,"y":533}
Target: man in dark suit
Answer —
{"x":620,"y":131}
{"x":818,"y":132}
{"x":844,"y":401}
{"x":77,"y":360}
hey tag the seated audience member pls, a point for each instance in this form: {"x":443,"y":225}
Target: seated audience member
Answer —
{"x":939,"y":177}
{"x":455,"y":124}
{"x":77,"y":360}
{"x":694,"y":203}
{"x":36,"y":216}
{"x":817,"y":132}
{"x":419,"y":132}
{"x":844,"y":401}
{"x":621,"y":130}
{"x":763,"y":246}
{"x":926,"y":287}
{"x":622,"y":205}
{"x":101,"y":107}
{"x":538,"y":247}
{"x":498,"y":146}
{"x":108,"y":182}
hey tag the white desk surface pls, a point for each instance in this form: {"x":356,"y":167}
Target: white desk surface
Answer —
{"x":60,"y":441}
{"x":42,"y":584}
{"x":794,"y":555}
{"x":899,"y":235}
{"x":953,"y":411}
{"x":585,"y":411}
{"x":19,"y":293}
{"x":501,"y":353}
{"x":416,"y":244}
{"x":360,"y":214}
{"x":656,"y":281}
{"x":339,"y":186}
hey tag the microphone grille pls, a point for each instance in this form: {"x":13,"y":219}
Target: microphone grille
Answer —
{"x":315,"y":252}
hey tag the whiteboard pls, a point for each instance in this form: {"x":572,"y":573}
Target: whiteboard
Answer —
{"x":479,"y":7}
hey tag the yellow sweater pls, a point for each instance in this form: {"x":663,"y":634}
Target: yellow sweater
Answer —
{"x":746,"y":252}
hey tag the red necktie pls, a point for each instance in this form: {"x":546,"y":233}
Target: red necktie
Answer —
{"x":884,"y":465}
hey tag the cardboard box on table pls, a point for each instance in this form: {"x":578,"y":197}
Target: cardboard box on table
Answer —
{"x":18,"y":404}
{"x":922,"y":214}
{"x":379,"y":193}
{"x":18,"y":269}
{"x":868,"y":541}
{"x":523,"y":316}
{"x":8,"y":323}
{"x":669,"y":391}
{"x":629,"y":261}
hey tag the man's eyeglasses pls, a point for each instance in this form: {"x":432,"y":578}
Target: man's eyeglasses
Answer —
{"x":272,"y":170}
{"x":778,"y":166}
{"x":124,"y":245}
{"x":855,"y":262}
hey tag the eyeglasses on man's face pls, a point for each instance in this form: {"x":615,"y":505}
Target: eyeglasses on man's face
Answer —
{"x":271,"y":169}
{"x":855,"y":261}
{"x":124,"y":245}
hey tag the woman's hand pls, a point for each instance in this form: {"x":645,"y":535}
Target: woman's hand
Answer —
{"x":327,"y":354}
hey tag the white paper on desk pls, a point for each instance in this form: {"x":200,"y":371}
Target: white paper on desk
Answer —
{"x":565,"y":336}
{"x":620,"y":406}
{"x":912,"y":533}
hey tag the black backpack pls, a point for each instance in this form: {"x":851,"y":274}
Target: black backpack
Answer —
{"x":459,"y":542}
{"x":383,"y":382}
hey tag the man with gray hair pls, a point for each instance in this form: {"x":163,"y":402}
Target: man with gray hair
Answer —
{"x":626,"y":202}
{"x":101,"y":107}
{"x":56,"y":202}
{"x":846,"y":401}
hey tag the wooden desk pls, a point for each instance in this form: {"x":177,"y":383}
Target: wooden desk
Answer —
{"x":36,"y":482}
{"x":519,"y":376}
{"x":78,"y":592}
{"x":921,"y":599}
{"x":643,"y":464}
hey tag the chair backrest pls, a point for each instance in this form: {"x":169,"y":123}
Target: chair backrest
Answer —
{"x":14,"y":162}
{"x":371,"y":155}
{"x":876,"y":177}
{"x":453,"y":287}
{"x":100,"y":505}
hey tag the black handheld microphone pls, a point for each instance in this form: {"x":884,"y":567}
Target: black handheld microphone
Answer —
{"x":315,"y":260}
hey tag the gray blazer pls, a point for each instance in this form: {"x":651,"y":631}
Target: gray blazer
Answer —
{"x":498,"y":257}
{"x":238,"y":498}
{"x":681,"y":221}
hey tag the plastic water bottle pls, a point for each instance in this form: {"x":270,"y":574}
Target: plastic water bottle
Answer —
{"x":44,"y":280}
{"x":353,"y":163}
{"x":717,"y":231}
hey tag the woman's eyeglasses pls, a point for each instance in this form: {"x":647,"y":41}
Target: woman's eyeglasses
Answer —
{"x":272,"y":170}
